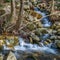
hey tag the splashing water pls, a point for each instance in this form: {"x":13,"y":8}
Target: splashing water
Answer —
{"x":33,"y":47}
{"x":45,"y":21}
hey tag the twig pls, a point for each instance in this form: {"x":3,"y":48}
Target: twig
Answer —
{"x":37,"y":20}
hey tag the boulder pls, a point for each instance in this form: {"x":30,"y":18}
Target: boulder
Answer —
{"x":38,"y":32}
{"x":58,"y":30}
{"x":31,"y":26}
{"x":54,"y":31}
{"x":58,"y":43}
{"x":46,"y":43}
{"x":1,"y":57}
{"x":58,"y":37}
{"x":53,"y":37}
{"x":35,"y":37}
{"x":11,"y":56}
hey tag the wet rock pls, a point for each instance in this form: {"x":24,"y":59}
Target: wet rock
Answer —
{"x":48,"y":40}
{"x":41,"y":31}
{"x":53,"y":26}
{"x":49,"y":31}
{"x":44,"y":31}
{"x":31,"y":26}
{"x":53,"y":37}
{"x":35,"y":37}
{"x":58,"y":37}
{"x":32,"y":57}
{"x":31,"y":41}
{"x":53,"y":45}
{"x":38,"y":32}
{"x":58,"y":27}
{"x":46,"y":43}
{"x":58,"y":32}
{"x":54,"y":31}
{"x":58,"y":43}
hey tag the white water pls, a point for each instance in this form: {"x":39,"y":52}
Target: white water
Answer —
{"x":46,"y":22}
{"x":32,"y":47}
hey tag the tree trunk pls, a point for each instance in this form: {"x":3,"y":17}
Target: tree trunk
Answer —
{"x":52,"y":6}
{"x":20,"y":16}
{"x":13,"y":11}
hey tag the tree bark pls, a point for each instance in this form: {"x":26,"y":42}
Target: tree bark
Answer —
{"x":20,"y":16}
{"x":13,"y":11}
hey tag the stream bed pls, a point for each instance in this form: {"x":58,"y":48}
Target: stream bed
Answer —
{"x":23,"y":50}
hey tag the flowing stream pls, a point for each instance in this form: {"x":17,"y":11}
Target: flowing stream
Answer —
{"x":23,"y":46}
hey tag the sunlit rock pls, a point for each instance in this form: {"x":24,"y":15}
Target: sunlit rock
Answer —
{"x":46,"y":43}
{"x":1,"y":42}
{"x":1,"y":57}
{"x":38,"y":24}
{"x":49,"y":31}
{"x":48,"y":40}
{"x":11,"y":41}
{"x":35,"y":14}
{"x":11,"y":56}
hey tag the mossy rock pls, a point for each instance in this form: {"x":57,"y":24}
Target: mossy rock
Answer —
{"x":38,"y":24}
{"x":38,"y":32}
{"x":44,"y":30}
{"x":35,"y":37}
{"x":31,"y":26}
{"x":58,"y":31}
{"x":53,"y":26}
{"x":58,"y":27}
{"x":12,"y":40}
